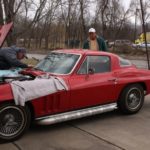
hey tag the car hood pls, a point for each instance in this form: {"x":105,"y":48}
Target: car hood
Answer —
{"x":4,"y":30}
{"x":32,"y":72}
{"x":10,"y":72}
{"x":18,"y":74}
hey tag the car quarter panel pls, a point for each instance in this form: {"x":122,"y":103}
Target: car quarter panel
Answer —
{"x":126,"y":76}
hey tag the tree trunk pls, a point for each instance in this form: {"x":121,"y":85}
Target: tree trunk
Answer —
{"x":9,"y":12}
{"x":82,"y":19}
{"x":1,"y":14}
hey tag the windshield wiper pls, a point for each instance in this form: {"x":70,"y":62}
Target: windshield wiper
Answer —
{"x":35,"y":68}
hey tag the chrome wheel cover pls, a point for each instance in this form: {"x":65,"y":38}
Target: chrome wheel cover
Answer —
{"x":11,"y":121}
{"x":134,"y":98}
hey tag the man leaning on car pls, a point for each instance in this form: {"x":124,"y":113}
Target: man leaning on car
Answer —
{"x":10,"y":57}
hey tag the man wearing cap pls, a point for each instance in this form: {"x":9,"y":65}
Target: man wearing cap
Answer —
{"x":10,"y":57}
{"x":94,"y":42}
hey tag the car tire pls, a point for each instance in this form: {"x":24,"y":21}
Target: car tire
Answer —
{"x":131,"y":99}
{"x":14,"y":121}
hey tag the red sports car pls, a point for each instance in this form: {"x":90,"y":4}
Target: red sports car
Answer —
{"x":97,"y":82}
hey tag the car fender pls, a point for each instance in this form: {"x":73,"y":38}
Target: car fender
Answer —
{"x":6,"y":92}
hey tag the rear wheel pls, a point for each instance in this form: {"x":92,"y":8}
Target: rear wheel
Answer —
{"x":14,"y":121}
{"x":131,"y":99}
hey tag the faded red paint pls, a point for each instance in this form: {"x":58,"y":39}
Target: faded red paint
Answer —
{"x":84,"y":90}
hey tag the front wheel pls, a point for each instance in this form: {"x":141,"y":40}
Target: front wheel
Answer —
{"x":131,"y":99}
{"x":14,"y":121}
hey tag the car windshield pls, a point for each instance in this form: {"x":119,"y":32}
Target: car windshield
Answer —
{"x":58,"y":63}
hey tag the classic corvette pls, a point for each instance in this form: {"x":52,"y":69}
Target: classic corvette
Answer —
{"x":97,"y":82}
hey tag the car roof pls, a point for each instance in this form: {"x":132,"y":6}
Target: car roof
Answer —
{"x":85,"y":52}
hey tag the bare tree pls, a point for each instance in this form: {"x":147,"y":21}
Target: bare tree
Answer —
{"x":82,"y":10}
{"x":1,"y":13}
{"x":102,"y":6}
{"x":49,"y":24}
{"x":11,"y":8}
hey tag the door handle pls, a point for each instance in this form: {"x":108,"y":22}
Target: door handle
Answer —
{"x":113,"y":80}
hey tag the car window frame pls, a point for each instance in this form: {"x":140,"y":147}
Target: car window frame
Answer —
{"x":99,"y":72}
{"x":122,"y":66}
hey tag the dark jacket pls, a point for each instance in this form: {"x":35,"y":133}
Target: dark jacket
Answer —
{"x":8,"y":58}
{"x":101,"y":43}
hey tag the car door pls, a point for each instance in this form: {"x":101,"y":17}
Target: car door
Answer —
{"x":93,"y":84}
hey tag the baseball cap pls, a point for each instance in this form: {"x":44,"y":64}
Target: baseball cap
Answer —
{"x":23,"y":50}
{"x":92,"y":30}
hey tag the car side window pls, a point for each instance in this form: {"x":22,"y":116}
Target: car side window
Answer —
{"x":98,"y":64}
{"x":124,"y":62}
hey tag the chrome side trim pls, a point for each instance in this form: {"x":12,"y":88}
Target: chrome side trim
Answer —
{"x":52,"y":119}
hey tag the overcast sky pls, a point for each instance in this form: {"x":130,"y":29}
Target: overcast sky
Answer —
{"x":126,"y":3}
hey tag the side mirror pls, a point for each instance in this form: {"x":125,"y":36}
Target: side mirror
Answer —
{"x":91,"y":71}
